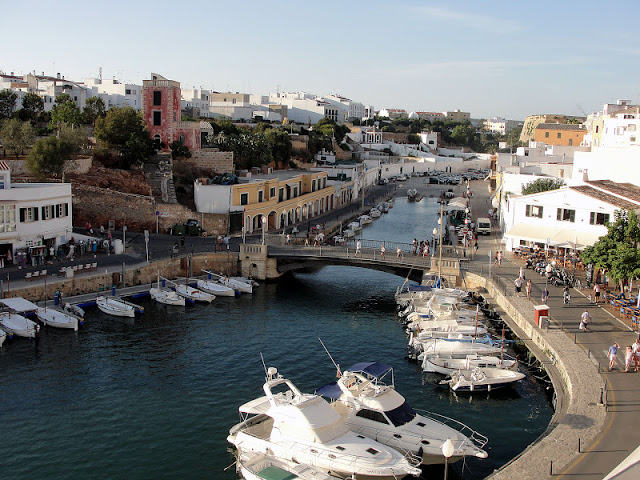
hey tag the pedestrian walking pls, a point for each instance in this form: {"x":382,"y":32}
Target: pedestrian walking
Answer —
{"x":522,"y":273}
{"x":499,"y":258}
{"x":288,"y":239}
{"x":613,"y":354}
{"x":358,"y":247}
{"x":566,"y":295}
{"x":382,"y":250}
{"x":475,"y":245}
{"x":545,"y":295}
{"x":584,"y":320}
{"x":528,"y":288}
{"x":628,"y":359}
{"x":518,"y":284}
{"x":495,"y":258}
{"x":596,"y":293}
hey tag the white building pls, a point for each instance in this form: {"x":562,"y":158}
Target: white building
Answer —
{"x":33,"y":217}
{"x":575,"y":214}
{"x":500,"y":125}
{"x":115,"y":94}
{"x":195,"y":100}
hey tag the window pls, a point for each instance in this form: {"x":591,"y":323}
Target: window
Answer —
{"x":599,"y":218}
{"x":559,"y":135}
{"x":7,"y":218}
{"x":244,"y":199}
{"x":157,"y":97}
{"x":566,"y":215}
{"x":47,"y":212}
{"x":280,"y":194}
{"x":632,"y":127}
{"x":2,"y":182}
{"x":62,"y":210}
{"x":324,"y":182}
{"x":372,"y":415}
{"x":313,"y":185}
{"x":233,"y":101}
{"x":570,"y":141}
{"x":272,"y":192}
{"x":127,"y":91}
{"x":295,"y":192}
{"x":533,"y":211}
{"x":157,"y":119}
{"x":546,"y":134}
{"x":29,"y":214}
{"x":181,"y":138}
{"x":597,"y":128}
{"x":260,"y":196}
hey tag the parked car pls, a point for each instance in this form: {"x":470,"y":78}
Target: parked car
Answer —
{"x":383,"y":181}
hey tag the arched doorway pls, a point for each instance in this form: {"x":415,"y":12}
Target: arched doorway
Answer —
{"x":272,"y":222}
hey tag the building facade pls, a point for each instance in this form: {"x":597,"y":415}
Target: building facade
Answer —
{"x":566,"y":134}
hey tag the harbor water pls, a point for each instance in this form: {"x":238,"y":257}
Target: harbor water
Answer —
{"x":155,"y":397}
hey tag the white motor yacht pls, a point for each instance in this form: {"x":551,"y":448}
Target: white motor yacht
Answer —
{"x":412,"y":193}
{"x":365,"y":219}
{"x":459,"y":346}
{"x":447,"y":364}
{"x":372,"y":408}
{"x":15,"y":324}
{"x":303,"y":428}
{"x":216,"y":288}
{"x":375,"y":213}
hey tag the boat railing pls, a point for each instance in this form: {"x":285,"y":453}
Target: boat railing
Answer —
{"x":476,"y":437}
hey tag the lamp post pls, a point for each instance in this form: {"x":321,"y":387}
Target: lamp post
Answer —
{"x":440,"y":246}
{"x":447,"y":450}
{"x":263,"y":219}
{"x":435,"y":234}
{"x":124,"y":238}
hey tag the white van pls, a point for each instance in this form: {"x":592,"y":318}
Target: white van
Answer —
{"x":483,"y":226}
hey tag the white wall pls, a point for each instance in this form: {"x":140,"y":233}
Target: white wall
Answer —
{"x":213,"y":198}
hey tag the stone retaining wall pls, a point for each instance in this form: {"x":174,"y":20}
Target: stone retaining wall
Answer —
{"x":212,"y":160}
{"x":583,"y":418}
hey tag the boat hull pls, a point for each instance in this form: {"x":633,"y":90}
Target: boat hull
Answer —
{"x":166,"y":297}
{"x":216,"y":289}
{"x":115,"y":307}
{"x":53,"y":318}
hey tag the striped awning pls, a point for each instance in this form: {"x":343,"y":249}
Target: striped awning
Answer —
{"x":3,"y":165}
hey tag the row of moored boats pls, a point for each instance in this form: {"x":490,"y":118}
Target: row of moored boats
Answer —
{"x":354,"y":227}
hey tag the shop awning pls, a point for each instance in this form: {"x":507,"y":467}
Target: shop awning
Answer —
{"x":556,"y":236}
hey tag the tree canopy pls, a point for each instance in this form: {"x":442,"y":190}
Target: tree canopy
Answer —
{"x":66,"y":111}
{"x":16,"y":135}
{"x":542,"y":185}
{"x":48,"y":156}
{"x":617,"y":251}
{"x":7,"y":103}
{"x":124,"y":130}
{"x":94,"y":107}
{"x":32,"y":107}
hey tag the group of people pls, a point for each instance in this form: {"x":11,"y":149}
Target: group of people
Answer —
{"x":521,"y":281}
{"x":421,"y":248}
{"x":631,"y":359}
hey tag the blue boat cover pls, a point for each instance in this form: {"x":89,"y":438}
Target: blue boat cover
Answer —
{"x":330,"y":390}
{"x":375,"y":369}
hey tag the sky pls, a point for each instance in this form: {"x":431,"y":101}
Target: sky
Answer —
{"x":497,"y":58}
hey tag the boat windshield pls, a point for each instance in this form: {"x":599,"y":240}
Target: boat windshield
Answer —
{"x":401,"y":415}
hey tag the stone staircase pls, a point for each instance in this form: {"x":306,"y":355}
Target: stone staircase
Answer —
{"x":159,"y":175}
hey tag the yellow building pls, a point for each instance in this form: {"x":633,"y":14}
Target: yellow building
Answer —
{"x":282,"y":198}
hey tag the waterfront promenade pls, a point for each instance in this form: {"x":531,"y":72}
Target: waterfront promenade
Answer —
{"x":598,"y":430}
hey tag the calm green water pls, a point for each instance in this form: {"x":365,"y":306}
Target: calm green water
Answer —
{"x":155,"y":397}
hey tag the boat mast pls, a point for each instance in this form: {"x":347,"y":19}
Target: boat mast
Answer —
{"x":440,"y":259}
{"x":338,"y":372}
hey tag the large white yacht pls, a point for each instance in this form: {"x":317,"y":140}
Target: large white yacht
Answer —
{"x":372,"y":408}
{"x":303,"y":428}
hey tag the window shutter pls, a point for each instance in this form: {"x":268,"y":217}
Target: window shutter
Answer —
{"x":44,"y":213}
{"x":23,"y":213}
{"x":66,"y":209}
{"x":35,"y":214}
{"x":559,"y":214}
{"x":592,"y":219}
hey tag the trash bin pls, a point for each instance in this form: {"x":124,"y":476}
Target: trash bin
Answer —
{"x":542,"y":315}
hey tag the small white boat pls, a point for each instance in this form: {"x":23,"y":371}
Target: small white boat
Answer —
{"x":365,"y":219}
{"x":3,"y":337}
{"x":215,"y":288}
{"x":258,"y":466}
{"x":447,"y":364}
{"x":167,"y":297}
{"x":385,"y":207}
{"x":355,"y":226}
{"x":117,"y":307}
{"x":74,"y":310}
{"x":249,"y":280}
{"x":348,"y":233}
{"x":56,"y":318}
{"x":412,"y":193}
{"x":374,"y":213}
{"x":236,"y":284}
{"x":481,"y":379}
{"x":194,"y":294}
{"x":449,"y":346}
{"x":15,"y":324}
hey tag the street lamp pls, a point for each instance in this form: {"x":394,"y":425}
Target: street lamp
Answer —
{"x":263,"y":219}
{"x":435,"y":234}
{"x":447,"y":450}
{"x":547,"y":269}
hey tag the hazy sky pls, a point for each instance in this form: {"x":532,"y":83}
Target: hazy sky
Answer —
{"x":491,"y":58}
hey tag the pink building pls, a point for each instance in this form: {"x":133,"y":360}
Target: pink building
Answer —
{"x":161,"y":112}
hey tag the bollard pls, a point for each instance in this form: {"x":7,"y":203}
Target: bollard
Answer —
{"x":551,"y":468}
{"x":575,"y":338}
{"x":579,"y":445}
{"x":601,"y":402}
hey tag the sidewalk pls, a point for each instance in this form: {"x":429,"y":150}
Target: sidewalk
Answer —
{"x":620,"y":434}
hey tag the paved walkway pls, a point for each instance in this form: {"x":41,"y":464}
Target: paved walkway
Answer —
{"x":621,"y":433}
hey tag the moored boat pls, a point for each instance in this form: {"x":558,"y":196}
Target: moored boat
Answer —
{"x":117,"y":307}
{"x":215,"y":288}
{"x":364,"y":219}
{"x":447,"y":364}
{"x":166,"y":297}
{"x":481,"y":379}
{"x":412,"y":193}
{"x":303,"y":428}
{"x":193,"y":294}
{"x":374,"y":213}
{"x":261,"y":466}
{"x":355,"y":226}
{"x":375,"y":409}
{"x":15,"y":324}
{"x":56,"y":318}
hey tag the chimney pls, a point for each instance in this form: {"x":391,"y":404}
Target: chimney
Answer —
{"x":58,"y":75}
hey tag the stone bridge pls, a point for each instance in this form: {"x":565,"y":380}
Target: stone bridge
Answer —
{"x":275,"y":258}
